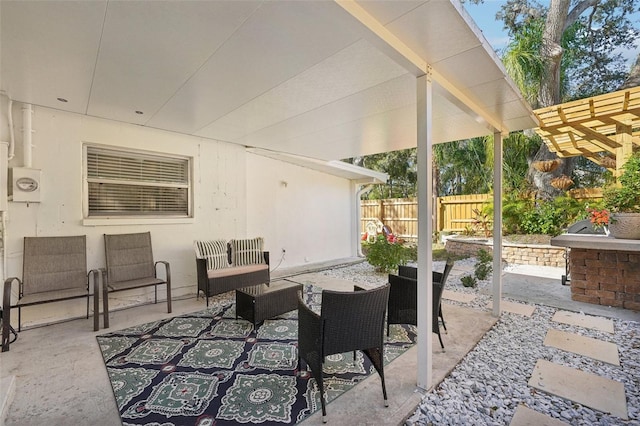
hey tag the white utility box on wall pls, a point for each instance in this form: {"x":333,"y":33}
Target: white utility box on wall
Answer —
{"x":25,"y":184}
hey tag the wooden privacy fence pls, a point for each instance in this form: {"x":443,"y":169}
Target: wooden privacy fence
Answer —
{"x":454,"y":213}
{"x":399,"y":214}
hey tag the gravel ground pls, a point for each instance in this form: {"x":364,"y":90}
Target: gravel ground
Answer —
{"x":487,"y":386}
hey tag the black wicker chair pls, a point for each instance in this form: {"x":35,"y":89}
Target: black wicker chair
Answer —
{"x":347,"y":322}
{"x":438,"y":277}
{"x":403,"y":297}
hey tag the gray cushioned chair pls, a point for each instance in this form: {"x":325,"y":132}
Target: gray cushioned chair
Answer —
{"x":348,"y":321}
{"x":130,"y":265}
{"x":53,"y":269}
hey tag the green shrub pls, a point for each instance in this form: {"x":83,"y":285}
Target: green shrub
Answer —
{"x":468,"y":281}
{"x":484,"y":256}
{"x":483,"y":268}
{"x":386,"y":256}
{"x":551,"y":217}
{"x":626,"y":197}
{"x":522,"y":215}
{"x":513,"y":207}
{"x":482,"y":222}
{"x":412,"y":252}
{"x":482,"y":271}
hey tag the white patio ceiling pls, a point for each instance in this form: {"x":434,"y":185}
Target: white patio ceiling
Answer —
{"x":300,"y":77}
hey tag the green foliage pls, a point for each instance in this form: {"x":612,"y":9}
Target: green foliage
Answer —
{"x":484,"y":256}
{"x":626,"y":197}
{"x":521,"y":215}
{"x":468,"y":231}
{"x":514,"y":206}
{"x":468,"y":281}
{"x":482,"y":271}
{"x":386,"y":256}
{"x":594,"y":36}
{"x":522,"y":58}
{"x":464,"y":167}
{"x":517,"y":149}
{"x":482,"y":222}
{"x":412,"y":252}
{"x":483,"y":267}
{"x":588,"y":174}
{"x":402,"y":168}
{"x":592,"y":62}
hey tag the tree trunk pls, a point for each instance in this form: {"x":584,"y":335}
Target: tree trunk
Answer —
{"x":633,"y":79}
{"x":552,"y":52}
{"x":550,"y":94}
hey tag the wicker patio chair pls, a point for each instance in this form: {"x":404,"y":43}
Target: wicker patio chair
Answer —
{"x":438,"y":277}
{"x":348,"y":321}
{"x":130,"y":265}
{"x":53,"y":269}
{"x":403,"y":298}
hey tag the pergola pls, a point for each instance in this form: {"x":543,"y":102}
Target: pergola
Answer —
{"x":602,"y":128}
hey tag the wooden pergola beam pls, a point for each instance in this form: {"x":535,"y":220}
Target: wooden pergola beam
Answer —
{"x":606,"y":123}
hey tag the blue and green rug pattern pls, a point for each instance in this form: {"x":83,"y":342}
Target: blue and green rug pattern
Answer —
{"x":207,"y":368}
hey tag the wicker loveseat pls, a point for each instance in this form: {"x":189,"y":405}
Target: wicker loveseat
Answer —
{"x":224,"y":266}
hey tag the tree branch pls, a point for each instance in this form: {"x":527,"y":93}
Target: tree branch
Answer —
{"x":575,"y":13}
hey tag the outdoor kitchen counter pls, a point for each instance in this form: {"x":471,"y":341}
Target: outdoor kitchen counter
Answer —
{"x":604,"y":270}
{"x":599,"y":242}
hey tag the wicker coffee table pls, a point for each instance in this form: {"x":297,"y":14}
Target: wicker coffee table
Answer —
{"x":260,"y":302}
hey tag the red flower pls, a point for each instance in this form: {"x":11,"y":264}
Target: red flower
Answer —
{"x":599,"y":218}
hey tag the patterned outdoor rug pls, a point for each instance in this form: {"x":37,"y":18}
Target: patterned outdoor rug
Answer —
{"x":207,"y":368}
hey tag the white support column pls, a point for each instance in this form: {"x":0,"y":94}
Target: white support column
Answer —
{"x":355,"y":219}
{"x":425,"y":230}
{"x":497,"y":222}
{"x":358,"y":191}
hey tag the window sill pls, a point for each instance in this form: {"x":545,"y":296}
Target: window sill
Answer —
{"x":136,"y":221}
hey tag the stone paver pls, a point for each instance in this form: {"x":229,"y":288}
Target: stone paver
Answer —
{"x":514,"y":308}
{"x":581,"y":345}
{"x":584,"y":388}
{"x":458,"y":296}
{"x":525,"y":416}
{"x":586,"y":321}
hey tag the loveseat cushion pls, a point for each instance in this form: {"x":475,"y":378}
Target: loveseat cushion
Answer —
{"x":236,"y":270}
{"x":214,"y":251}
{"x":247,"y":251}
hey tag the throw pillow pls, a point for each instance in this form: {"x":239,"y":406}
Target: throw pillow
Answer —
{"x":247,"y":251}
{"x":215,"y":251}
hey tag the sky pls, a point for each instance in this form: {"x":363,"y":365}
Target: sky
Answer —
{"x":484,"y":15}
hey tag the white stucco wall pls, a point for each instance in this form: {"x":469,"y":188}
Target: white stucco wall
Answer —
{"x":236,"y":194}
{"x":219,"y":198}
{"x":306,"y":212}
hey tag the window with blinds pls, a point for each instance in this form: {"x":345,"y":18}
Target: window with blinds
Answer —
{"x":128,"y":183}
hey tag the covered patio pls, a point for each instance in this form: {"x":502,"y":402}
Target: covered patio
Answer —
{"x":78,"y":390}
{"x":327,"y":80}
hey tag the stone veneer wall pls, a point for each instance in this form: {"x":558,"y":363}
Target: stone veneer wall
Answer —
{"x":521,"y":254}
{"x":606,"y":277}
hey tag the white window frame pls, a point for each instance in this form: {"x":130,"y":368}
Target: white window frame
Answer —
{"x":132,"y":219}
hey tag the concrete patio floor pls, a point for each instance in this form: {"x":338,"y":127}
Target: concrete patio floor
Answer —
{"x":59,"y":376}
